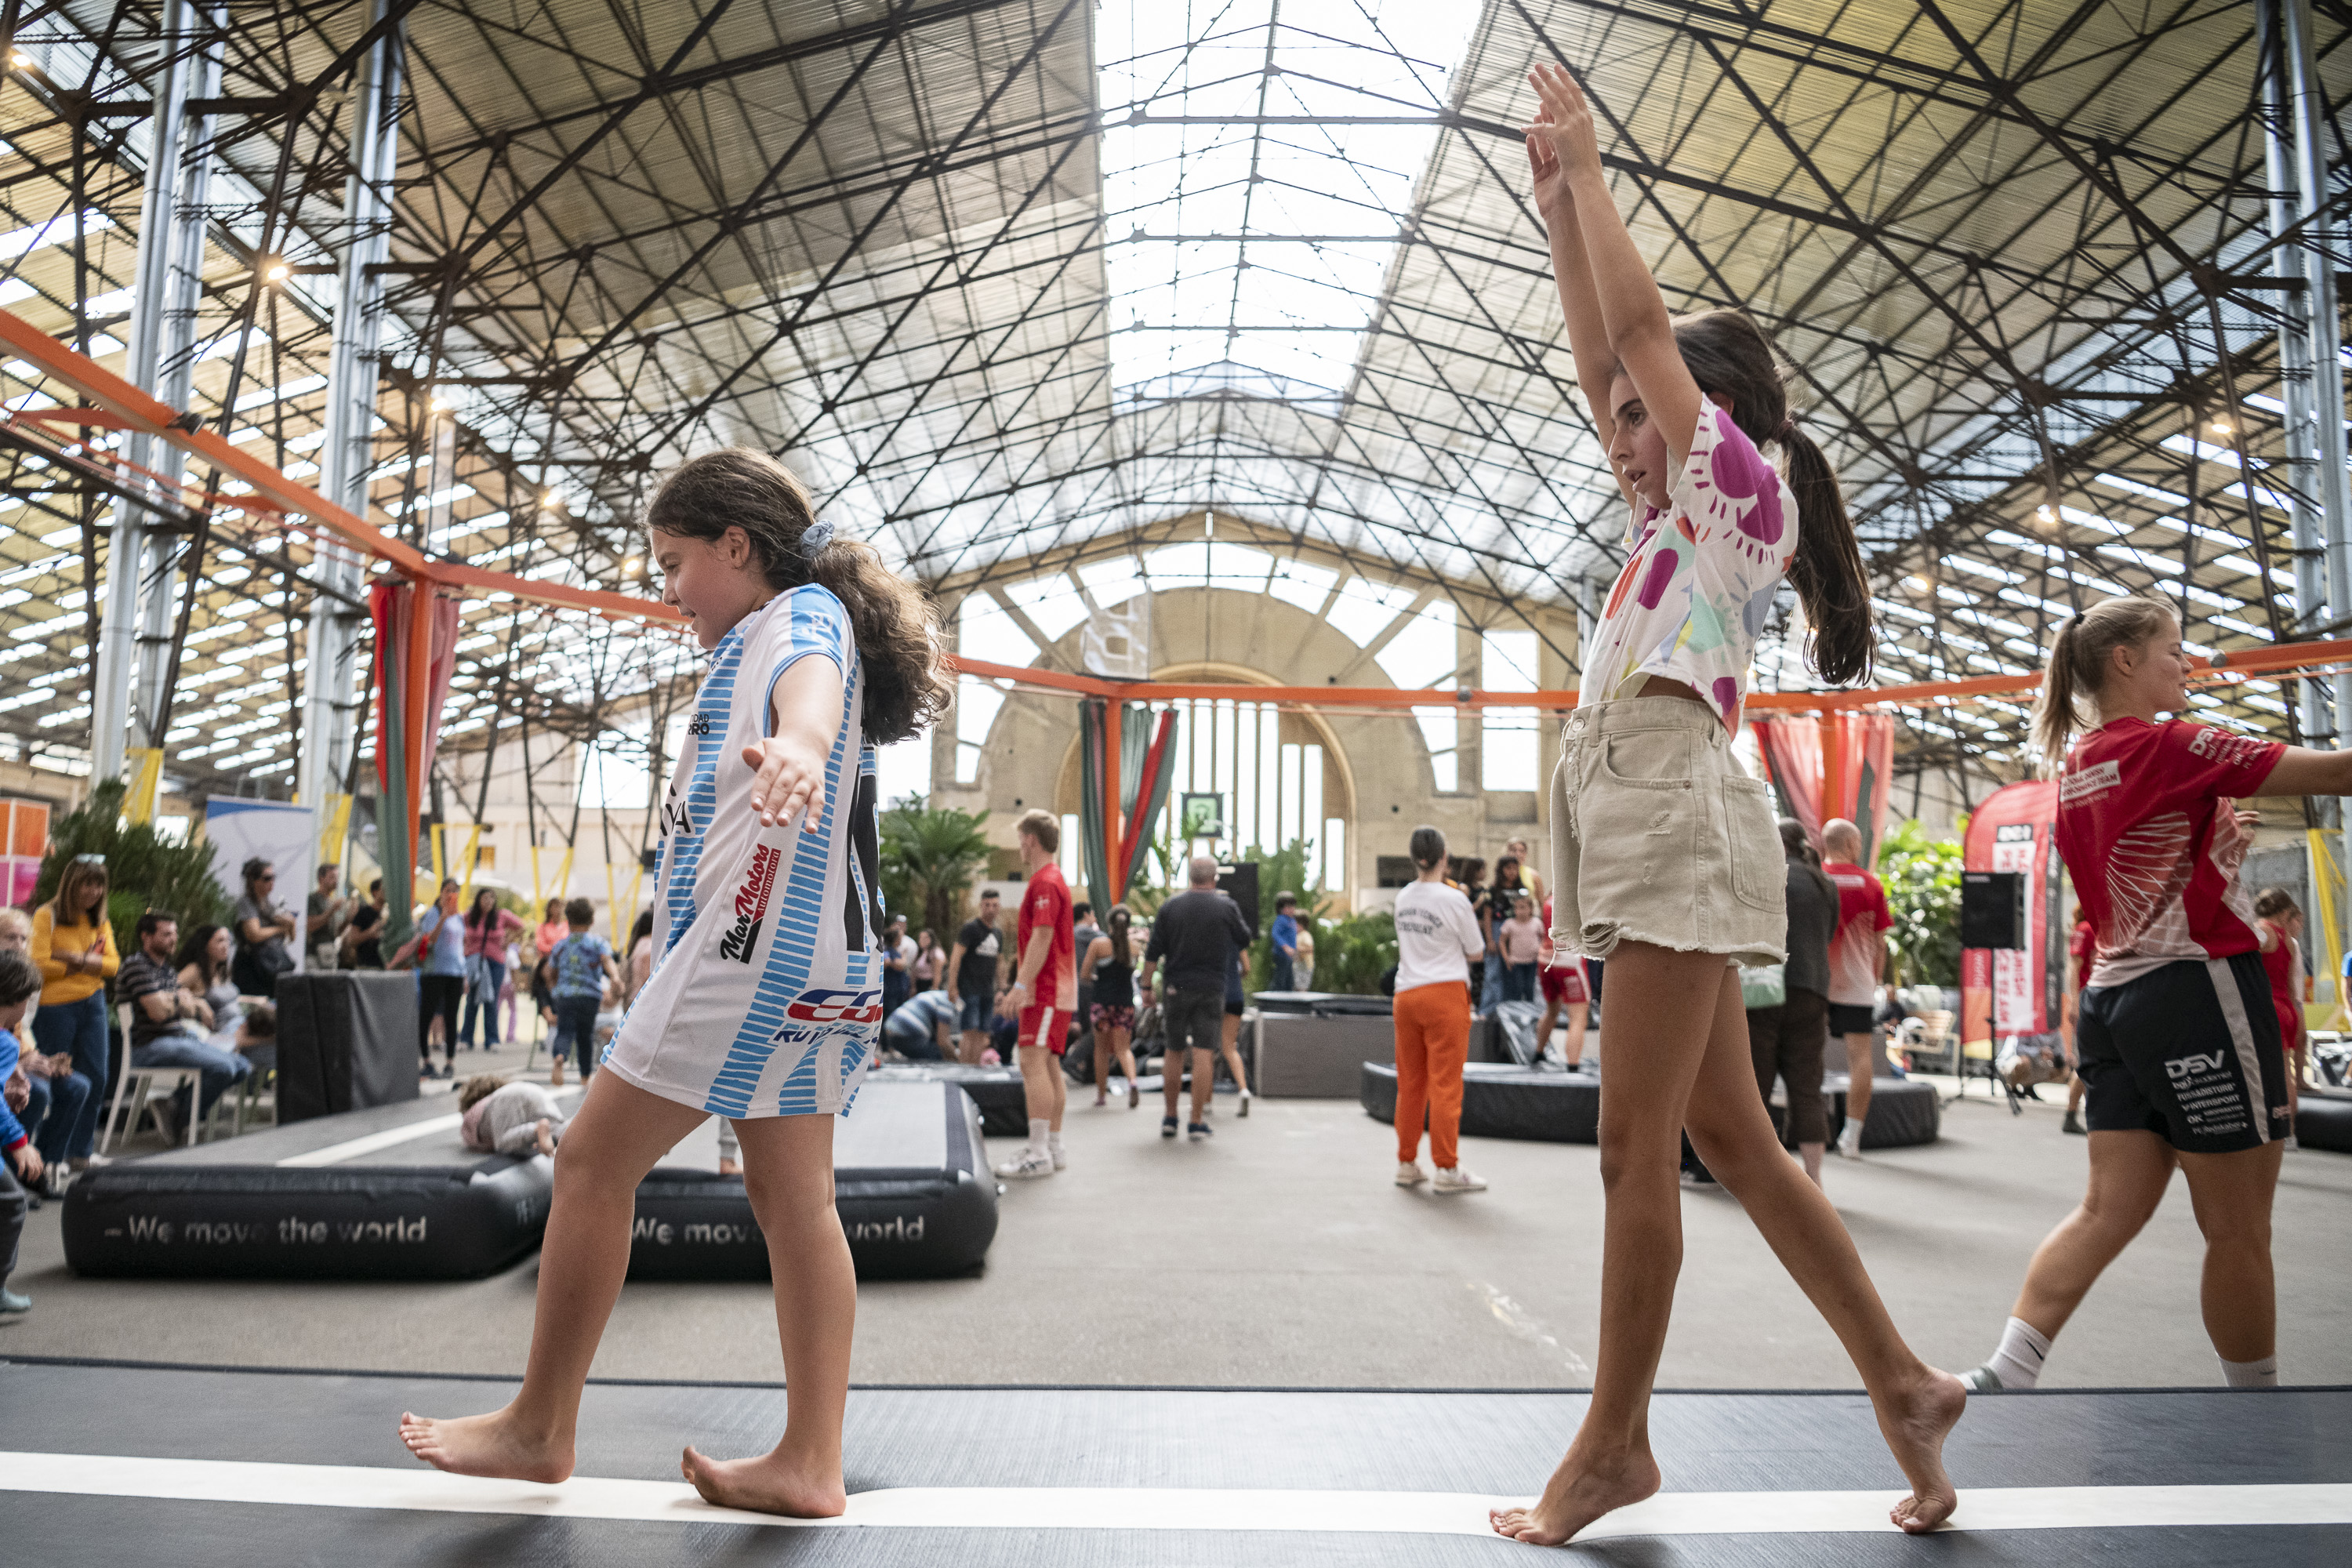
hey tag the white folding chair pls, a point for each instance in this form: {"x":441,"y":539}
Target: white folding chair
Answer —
{"x":138,"y":1088}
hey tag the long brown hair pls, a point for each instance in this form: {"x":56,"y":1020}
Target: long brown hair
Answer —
{"x":1728,"y":353}
{"x":897,"y":628}
{"x":2079,"y":662}
{"x":66,"y":909}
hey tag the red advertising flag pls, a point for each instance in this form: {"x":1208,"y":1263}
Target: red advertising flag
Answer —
{"x":2006,"y":991}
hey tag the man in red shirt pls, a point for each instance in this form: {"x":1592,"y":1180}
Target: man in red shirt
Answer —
{"x":1857,"y":959}
{"x":1045,"y":992}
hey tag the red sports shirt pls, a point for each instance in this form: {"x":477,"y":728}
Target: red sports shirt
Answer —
{"x":1046,"y":901}
{"x":1857,"y":953}
{"x":2148,"y":824}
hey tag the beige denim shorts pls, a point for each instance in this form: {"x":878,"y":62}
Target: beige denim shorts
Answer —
{"x":1658,"y":834}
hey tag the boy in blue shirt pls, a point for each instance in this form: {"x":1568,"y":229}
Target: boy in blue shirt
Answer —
{"x":20,"y":984}
{"x":578,"y":968}
{"x":1286,"y":942}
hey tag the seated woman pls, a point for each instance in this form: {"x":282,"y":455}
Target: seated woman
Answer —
{"x":203,"y":964}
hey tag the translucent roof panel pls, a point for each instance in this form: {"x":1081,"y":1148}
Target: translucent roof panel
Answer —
{"x":1250,"y":226}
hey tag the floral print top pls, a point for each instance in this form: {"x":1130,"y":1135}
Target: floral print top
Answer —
{"x":1699,"y":576}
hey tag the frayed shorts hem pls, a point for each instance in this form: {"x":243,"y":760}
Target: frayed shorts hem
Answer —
{"x":1600,"y":940}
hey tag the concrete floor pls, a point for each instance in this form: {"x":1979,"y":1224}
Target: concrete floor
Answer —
{"x":1281,"y":1255}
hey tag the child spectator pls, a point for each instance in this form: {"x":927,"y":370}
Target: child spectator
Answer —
{"x":1520,"y":941}
{"x":20,"y":984}
{"x":46,"y":1092}
{"x":579,"y":968}
{"x":256,"y":1036}
{"x":503,"y":1117}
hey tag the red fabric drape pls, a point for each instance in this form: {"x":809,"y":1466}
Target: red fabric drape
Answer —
{"x":1797,"y":754}
{"x":388,"y":607}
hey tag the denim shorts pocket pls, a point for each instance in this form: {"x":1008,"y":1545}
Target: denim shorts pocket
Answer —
{"x":1758,"y":873}
{"x":1647,"y":759}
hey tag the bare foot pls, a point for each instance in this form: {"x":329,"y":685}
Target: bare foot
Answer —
{"x":1578,"y":1494}
{"x":1914,"y":1424}
{"x":775,"y":1482}
{"x":490,"y":1445}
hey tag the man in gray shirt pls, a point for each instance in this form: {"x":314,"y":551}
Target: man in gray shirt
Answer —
{"x":1787,"y":1041}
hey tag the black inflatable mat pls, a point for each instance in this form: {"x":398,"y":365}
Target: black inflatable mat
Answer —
{"x":391,"y":1193}
{"x":1904,"y":1113}
{"x":2323,"y":1121}
{"x":1003,"y":1103}
{"x":910,"y":1179}
{"x":1501,"y":1101}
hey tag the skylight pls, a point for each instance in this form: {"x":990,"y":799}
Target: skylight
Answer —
{"x":1249,"y":230}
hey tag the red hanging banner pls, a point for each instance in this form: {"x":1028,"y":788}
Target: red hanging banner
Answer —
{"x":2006,"y":991}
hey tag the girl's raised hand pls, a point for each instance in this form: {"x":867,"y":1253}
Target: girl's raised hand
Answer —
{"x":789,"y":775}
{"x":1564,"y":124}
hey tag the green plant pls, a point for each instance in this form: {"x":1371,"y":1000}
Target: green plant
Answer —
{"x":929,"y":858}
{"x":1352,"y":953}
{"x":144,"y":869}
{"x":1923,"y":893}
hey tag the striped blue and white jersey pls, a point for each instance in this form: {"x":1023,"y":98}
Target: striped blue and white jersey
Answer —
{"x":766,"y":992}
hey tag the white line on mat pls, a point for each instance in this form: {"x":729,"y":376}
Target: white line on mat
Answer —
{"x":1135,"y":1508}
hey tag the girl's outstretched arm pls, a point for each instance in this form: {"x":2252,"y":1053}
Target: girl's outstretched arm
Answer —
{"x":803,"y":717}
{"x":1640,"y":333}
{"x":1588,"y":333}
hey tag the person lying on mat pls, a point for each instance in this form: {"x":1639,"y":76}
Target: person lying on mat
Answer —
{"x":503,"y":1117}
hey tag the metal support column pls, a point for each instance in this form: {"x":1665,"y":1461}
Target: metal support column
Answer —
{"x":329,"y":698}
{"x":2313,"y":606}
{"x":176,"y":367}
{"x":170,"y":223}
{"x":2321,"y":260}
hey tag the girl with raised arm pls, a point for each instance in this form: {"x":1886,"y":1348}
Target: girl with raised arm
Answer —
{"x":2176,"y":1035}
{"x":766,"y":992}
{"x":1665,"y":859}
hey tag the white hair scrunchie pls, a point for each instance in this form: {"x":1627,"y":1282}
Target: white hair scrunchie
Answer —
{"x":813,"y":538}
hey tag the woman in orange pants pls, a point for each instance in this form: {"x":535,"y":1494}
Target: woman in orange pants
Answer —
{"x":1437,"y":941}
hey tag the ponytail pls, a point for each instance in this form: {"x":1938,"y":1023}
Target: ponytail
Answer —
{"x":1729,"y":355}
{"x":2079,"y":660}
{"x":895,"y":629}
{"x":1827,"y":570}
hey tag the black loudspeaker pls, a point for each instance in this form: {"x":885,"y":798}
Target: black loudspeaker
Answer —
{"x":1992,"y":909}
{"x":1240,"y":884}
{"x":346,"y":1040}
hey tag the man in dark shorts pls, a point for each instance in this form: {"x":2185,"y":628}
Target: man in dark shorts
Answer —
{"x":972,"y":977}
{"x":1198,"y":932}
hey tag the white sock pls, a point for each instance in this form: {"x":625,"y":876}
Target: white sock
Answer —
{"x":2262,"y":1373}
{"x":1053,"y":1138}
{"x":1850,"y":1135}
{"x":1041,"y":1128}
{"x":2018,"y":1362}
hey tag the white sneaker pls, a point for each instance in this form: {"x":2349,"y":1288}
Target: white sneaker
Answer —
{"x":1411,"y":1173}
{"x":1849,"y":1143}
{"x":2290,"y":1143}
{"x":1457,"y":1179}
{"x":1033,"y":1164}
{"x":1246,"y":1100}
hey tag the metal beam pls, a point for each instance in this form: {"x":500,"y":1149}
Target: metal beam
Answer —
{"x":328,"y":700}
{"x":167,"y":290}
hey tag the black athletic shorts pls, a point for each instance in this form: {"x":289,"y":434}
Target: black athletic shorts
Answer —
{"x":1851,"y":1018}
{"x":2189,"y":1052}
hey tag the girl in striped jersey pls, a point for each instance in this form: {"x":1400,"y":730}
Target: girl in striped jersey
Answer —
{"x":765,"y":996}
{"x":2175,"y":1037}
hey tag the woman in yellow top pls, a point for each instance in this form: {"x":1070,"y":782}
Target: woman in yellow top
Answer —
{"x":74,"y":945}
